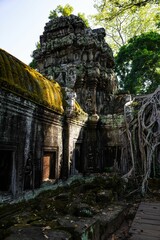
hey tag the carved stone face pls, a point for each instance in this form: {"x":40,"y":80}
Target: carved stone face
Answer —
{"x":71,"y":77}
{"x":88,"y":102}
{"x":67,"y":77}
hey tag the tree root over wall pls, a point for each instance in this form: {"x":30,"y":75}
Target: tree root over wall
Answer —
{"x":143,"y":133}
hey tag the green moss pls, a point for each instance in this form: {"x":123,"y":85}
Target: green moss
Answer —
{"x":8,"y":70}
{"x":2,"y":68}
{"x":135,"y":104}
{"x":21,"y":79}
{"x":78,"y":109}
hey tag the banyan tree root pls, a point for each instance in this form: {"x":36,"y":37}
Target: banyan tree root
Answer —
{"x":127,"y":115}
{"x":147,"y":126}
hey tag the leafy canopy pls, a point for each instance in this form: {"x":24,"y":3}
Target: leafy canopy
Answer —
{"x":138,"y":64}
{"x":83,"y":17}
{"x":114,"y":8}
{"x":67,"y":10}
{"x":60,"y":10}
{"x":125,"y":19}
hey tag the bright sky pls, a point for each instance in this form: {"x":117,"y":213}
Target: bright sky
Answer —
{"x":23,"y":21}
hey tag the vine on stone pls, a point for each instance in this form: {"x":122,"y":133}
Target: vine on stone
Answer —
{"x":143,"y":132}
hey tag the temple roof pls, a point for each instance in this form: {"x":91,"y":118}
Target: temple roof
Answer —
{"x":17,"y":77}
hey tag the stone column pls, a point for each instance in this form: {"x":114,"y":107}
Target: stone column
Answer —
{"x":92,"y":144}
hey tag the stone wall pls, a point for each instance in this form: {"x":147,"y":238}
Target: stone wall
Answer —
{"x":73,"y":146}
{"x":32,"y":135}
{"x":39,"y":128}
{"x":26,"y":132}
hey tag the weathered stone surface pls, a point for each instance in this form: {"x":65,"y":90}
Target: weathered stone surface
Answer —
{"x":66,"y":212}
{"x":23,"y":132}
{"x":37,"y":233}
{"x":82,"y":62}
{"x":44,"y":133}
{"x":81,"y":209}
{"x":33,"y":127}
{"x":105,"y":196}
{"x":110,"y":219}
{"x":81,"y":228}
{"x":79,"y":59}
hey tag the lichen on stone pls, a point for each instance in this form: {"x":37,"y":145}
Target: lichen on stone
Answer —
{"x":21,"y":79}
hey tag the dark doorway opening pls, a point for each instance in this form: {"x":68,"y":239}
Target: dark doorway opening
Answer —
{"x":111,"y":155}
{"x":78,"y":158}
{"x":49,"y":165}
{"x":6,"y":164}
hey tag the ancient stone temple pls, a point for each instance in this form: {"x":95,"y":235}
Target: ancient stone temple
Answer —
{"x":82,"y":62}
{"x":65,"y":118}
{"x":35,"y":133}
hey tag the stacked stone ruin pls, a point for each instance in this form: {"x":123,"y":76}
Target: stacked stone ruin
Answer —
{"x":65,"y":118}
{"x":81,"y":61}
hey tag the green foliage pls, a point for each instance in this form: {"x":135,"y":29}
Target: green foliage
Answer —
{"x":67,"y":10}
{"x":83,"y":17}
{"x":33,"y":64}
{"x":38,"y":45}
{"x":53,"y":14}
{"x":114,"y":8}
{"x":60,"y":10}
{"x":26,"y":82}
{"x":125,"y":19}
{"x":138,"y":64}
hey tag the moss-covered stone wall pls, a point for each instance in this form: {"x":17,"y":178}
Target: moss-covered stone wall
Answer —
{"x":26,"y":131}
{"x":21,"y":79}
{"x":34,"y":127}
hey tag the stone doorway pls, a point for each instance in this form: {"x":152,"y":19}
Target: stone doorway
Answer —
{"x":111,"y":156}
{"x":78,"y":158}
{"x":49,"y":165}
{"x":77,"y":165}
{"x":6,"y":166}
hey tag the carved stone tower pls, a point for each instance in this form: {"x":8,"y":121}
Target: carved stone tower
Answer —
{"x":80,"y":60}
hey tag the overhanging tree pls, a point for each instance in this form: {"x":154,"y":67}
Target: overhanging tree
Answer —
{"x":138,"y":64}
{"x":143,"y":132}
{"x":123,"y":20}
{"x":138,"y":68}
{"x":114,"y":8}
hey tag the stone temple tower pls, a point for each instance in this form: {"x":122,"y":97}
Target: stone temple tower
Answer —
{"x":80,"y":60}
